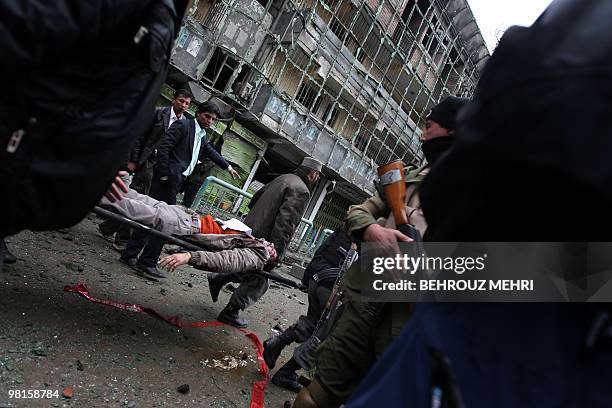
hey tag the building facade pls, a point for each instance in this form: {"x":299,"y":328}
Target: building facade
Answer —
{"x":347,"y":82}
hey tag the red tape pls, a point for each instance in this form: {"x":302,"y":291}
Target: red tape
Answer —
{"x":258,"y":388}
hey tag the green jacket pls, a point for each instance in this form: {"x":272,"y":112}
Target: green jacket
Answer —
{"x":360,"y":216}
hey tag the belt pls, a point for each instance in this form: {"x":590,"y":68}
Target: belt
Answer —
{"x":326,"y":274}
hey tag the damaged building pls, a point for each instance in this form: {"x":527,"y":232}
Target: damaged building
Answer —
{"x":347,"y":82}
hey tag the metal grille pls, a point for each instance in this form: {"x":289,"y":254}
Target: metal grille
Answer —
{"x":369,"y":71}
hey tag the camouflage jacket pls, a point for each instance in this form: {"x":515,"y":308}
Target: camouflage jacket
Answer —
{"x":374,"y":208}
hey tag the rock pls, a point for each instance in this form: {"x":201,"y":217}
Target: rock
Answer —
{"x":68,"y":237}
{"x":183,"y":389}
{"x":163,"y":291}
{"x":131,"y":404}
{"x":189,"y":284}
{"x":39,"y":349}
{"x":68,"y":392}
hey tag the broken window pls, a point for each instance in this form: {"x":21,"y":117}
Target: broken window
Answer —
{"x":219,"y":70}
{"x":330,"y":115}
{"x":307,"y":95}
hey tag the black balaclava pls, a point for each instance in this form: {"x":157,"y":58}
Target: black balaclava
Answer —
{"x":434,"y":148}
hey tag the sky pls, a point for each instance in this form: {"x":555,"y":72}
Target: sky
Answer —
{"x":494,"y":16}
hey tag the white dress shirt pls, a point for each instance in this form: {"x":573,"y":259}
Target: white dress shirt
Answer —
{"x":200,"y":134}
{"x":173,"y":117}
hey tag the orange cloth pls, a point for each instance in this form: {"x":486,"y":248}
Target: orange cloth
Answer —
{"x":208,"y":225}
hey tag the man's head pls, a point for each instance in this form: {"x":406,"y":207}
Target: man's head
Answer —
{"x":312,"y":168}
{"x":207,"y":114}
{"x":271,"y":251}
{"x":180,"y":101}
{"x":442,"y":120}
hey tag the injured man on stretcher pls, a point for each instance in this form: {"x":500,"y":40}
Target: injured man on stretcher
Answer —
{"x":227,"y":246}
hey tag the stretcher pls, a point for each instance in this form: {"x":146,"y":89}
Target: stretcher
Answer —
{"x":184,"y":243}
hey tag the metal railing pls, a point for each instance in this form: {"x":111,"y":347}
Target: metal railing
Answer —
{"x":219,"y":199}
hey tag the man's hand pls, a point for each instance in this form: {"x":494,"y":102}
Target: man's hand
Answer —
{"x":131,"y":166}
{"x":385,"y":242}
{"x":234,"y":173}
{"x":117,"y":188}
{"x":384,"y":236}
{"x":171,"y":262}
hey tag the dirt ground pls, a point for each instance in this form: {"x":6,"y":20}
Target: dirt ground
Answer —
{"x":53,"y":340}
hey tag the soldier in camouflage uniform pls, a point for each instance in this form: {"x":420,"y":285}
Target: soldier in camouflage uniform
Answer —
{"x":365,"y":329}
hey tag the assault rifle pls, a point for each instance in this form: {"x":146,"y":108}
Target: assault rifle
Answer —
{"x":306,"y":355}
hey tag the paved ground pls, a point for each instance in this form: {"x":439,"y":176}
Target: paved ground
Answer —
{"x":51,"y":340}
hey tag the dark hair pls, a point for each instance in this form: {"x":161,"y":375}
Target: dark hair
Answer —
{"x":182,"y":92}
{"x":210,"y":107}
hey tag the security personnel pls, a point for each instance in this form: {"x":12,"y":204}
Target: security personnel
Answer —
{"x":365,"y":329}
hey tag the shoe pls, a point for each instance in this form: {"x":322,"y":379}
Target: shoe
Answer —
{"x":214,"y":286}
{"x":287,"y":379}
{"x":131,"y":262}
{"x":231,"y":315}
{"x":8,"y":257}
{"x":107,"y":237}
{"x":272,"y":350}
{"x":119,"y":246}
{"x":150,"y":272}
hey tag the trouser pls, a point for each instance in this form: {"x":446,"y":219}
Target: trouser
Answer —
{"x":171,"y":219}
{"x":191,"y":190}
{"x":318,"y":294}
{"x":252,"y":287}
{"x":306,"y":353}
{"x":357,"y":340}
{"x":143,"y":178}
{"x":151,"y":247}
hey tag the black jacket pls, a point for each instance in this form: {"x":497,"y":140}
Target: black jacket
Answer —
{"x":79,"y":91}
{"x":537,"y":137}
{"x":175,"y":151}
{"x":149,"y":141}
{"x":328,"y":255}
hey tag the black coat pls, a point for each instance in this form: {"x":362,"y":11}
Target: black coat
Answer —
{"x":175,"y":151}
{"x":79,"y":91}
{"x":149,"y":141}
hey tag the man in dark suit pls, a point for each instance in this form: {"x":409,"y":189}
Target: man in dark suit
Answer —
{"x":143,"y":155}
{"x":142,"y":160}
{"x":177,"y":155}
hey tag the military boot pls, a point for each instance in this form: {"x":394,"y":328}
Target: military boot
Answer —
{"x":231,"y":315}
{"x":287,"y":377}
{"x":274,"y":345}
